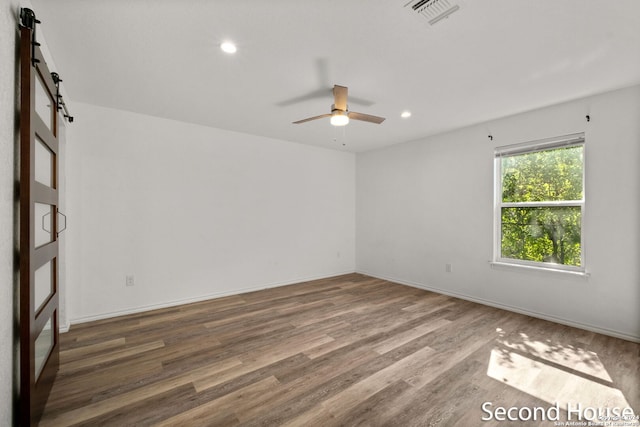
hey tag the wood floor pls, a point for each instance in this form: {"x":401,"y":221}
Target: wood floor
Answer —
{"x":344,"y":351}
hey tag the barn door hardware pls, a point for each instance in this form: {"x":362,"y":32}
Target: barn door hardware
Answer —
{"x":44,"y":227}
{"x":27,"y":19}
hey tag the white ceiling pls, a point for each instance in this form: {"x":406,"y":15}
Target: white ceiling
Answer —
{"x":489,"y":59}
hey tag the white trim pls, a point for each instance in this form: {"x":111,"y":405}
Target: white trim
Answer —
{"x":537,"y":265}
{"x":167,"y":304}
{"x":543,"y":316}
{"x":544,"y":268}
{"x":540,"y":145}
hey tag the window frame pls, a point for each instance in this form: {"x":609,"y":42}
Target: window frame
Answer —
{"x":572,"y":140}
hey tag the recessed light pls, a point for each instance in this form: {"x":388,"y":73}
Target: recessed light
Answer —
{"x":228,"y":47}
{"x":405,"y":114}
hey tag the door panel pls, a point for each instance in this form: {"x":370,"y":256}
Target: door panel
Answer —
{"x":43,"y":284}
{"x":43,"y":233}
{"x":44,"y":163}
{"x":43,"y":104}
{"x":43,"y":346}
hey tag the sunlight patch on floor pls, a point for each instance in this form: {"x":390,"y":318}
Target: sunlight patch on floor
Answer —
{"x":571,"y":357}
{"x":566,"y":375}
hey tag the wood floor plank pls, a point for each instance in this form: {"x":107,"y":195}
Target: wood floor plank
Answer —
{"x":259,"y":359}
{"x":349,"y":350}
{"x":305,"y":378}
{"x":72,"y":354}
{"x":329,"y":347}
{"x":77,"y":365}
{"x":436,"y":403}
{"x":375,"y":410}
{"x":341,"y":403}
{"x":82,"y":390}
{"x":134,"y":413}
{"x":231,"y":403}
{"x":404,"y":337}
{"x":115,"y":403}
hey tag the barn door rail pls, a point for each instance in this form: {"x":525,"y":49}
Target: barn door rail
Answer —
{"x":27,"y":19}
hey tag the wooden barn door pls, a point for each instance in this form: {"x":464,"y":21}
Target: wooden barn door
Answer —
{"x":39,"y":226}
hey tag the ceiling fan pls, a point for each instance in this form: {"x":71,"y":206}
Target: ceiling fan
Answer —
{"x":340,"y":115}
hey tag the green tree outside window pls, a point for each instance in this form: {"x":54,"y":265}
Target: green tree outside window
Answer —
{"x":542,"y":194}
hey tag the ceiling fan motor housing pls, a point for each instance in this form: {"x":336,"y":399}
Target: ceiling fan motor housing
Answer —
{"x":334,"y":109}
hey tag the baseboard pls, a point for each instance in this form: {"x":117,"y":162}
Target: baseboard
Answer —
{"x":543,"y":316}
{"x":167,"y":304}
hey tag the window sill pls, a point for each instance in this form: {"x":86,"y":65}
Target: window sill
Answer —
{"x":543,"y":270}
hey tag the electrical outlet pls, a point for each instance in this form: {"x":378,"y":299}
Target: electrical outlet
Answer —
{"x":130,"y":281}
{"x":448,"y":268}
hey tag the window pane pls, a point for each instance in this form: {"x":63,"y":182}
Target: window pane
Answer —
{"x":44,"y":344}
{"x":44,"y":215}
{"x":548,"y":175}
{"x":542,"y":234}
{"x":44,"y":164}
{"x":44,"y":103}
{"x":43,"y":286}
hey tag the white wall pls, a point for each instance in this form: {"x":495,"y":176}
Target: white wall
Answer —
{"x":423,"y":204}
{"x":8,"y":35}
{"x":196,"y":212}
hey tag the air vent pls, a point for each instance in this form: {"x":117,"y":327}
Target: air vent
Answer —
{"x":433,"y":10}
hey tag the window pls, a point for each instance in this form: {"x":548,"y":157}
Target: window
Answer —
{"x":539,"y":203}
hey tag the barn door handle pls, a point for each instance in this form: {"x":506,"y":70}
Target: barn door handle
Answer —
{"x":44,"y":227}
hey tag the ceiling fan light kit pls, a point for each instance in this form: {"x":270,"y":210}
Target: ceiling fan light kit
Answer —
{"x":339,"y":118}
{"x":340,"y":115}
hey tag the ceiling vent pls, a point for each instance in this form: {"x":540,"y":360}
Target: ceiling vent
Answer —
{"x":433,"y":10}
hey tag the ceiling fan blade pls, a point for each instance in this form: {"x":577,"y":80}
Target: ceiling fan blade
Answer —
{"x":340,"y":97}
{"x":365,"y":117}
{"x":313,"y":118}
